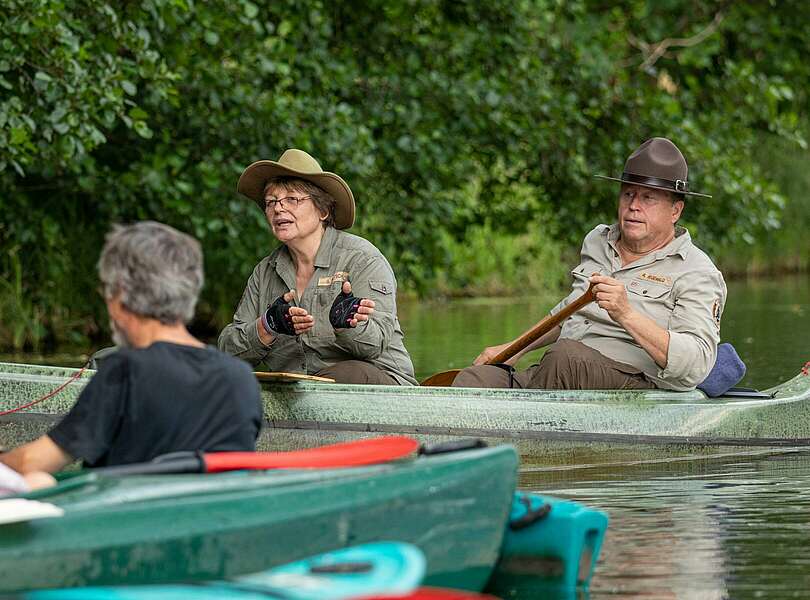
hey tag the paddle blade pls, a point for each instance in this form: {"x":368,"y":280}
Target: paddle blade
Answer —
{"x":443,"y":379}
{"x":347,"y":454}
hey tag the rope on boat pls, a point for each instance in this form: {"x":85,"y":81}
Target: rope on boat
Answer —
{"x":49,"y":394}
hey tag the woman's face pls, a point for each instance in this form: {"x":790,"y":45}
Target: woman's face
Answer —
{"x":291,"y":214}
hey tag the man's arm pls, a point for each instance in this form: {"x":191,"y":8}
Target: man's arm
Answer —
{"x":42,"y":454}
{"x":686,"y":351}
{"x":611,"y":296}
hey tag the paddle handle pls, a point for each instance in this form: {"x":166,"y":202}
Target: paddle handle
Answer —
{"x":543,"y":327}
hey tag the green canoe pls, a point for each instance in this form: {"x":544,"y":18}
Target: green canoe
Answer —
{"x":553,"y":427}
{"x":174,"y":528}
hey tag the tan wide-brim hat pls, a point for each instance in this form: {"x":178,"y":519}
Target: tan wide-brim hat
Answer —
{"x":297,"y":163}
{"x":657,"y":164}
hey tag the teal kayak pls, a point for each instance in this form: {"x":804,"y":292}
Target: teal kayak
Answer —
{"x":390,"y":568}
{"x":549,"y":544}
{"x":155,"y":529}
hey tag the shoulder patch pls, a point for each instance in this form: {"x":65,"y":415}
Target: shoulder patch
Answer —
{"x":716,"y":313}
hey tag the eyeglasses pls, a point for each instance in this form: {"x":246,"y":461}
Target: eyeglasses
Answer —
{"x":289,"y":203}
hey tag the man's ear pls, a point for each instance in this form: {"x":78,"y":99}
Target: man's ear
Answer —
{"x":677,"y":209}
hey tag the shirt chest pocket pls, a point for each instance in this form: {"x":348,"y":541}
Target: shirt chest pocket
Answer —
{"x":654,"y":299}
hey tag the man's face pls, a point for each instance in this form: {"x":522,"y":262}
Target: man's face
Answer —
{"x":646,"y":216}
{"x":119,"y":334}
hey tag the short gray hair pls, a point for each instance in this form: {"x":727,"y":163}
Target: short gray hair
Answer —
{"x":153,"y":269}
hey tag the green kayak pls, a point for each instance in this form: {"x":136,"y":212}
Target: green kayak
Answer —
{"x":177,"y":528}
{"x":547,"y":426}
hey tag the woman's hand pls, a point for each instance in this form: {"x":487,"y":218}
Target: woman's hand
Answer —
{"x":302,"y":321}
{"x":348,"y":310}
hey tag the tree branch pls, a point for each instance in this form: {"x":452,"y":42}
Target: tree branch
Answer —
{"x":653,"y":52}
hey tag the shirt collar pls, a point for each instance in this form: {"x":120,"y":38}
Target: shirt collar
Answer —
{"x":325,"y":250}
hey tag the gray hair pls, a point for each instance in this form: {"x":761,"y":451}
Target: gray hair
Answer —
{"x":153,"y":269}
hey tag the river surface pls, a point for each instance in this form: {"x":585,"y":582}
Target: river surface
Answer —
{"x":736,"y":527}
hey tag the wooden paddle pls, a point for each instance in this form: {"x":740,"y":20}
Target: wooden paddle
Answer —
{"x":281,"y":377}
{"x":446,"y":378}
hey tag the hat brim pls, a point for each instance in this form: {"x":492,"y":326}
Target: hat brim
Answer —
{"x":655,"y":187}
{"x":255,"y":177}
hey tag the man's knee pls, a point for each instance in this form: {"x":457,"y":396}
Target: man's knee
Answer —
{"x":558,"y":367}
{"x":564,"y":351}
{"x":482,"y":376}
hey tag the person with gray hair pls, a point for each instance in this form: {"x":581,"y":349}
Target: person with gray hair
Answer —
{"x":164,"y":390}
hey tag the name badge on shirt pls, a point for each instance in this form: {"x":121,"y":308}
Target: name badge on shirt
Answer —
{"x":338,"y":277}
{"x":656,"y":278}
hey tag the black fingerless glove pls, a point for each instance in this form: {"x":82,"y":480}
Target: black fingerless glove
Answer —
{"x":343,"y":310}
{"x":277,"y":317}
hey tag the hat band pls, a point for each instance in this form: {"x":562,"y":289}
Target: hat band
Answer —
{"x":679,"y":185}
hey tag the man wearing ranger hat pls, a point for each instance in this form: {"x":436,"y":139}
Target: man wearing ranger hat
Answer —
{"x":324,"y":301}
{"x":659,"y":298}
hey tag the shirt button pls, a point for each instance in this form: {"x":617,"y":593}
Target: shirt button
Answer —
{"x":587,"y":322}
{"x":644,"y":292}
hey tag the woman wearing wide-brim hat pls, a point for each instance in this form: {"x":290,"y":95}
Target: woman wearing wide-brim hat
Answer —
{"x":324,"y":302}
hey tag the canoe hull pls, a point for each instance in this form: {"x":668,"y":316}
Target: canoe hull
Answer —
{"x":555,"y":427}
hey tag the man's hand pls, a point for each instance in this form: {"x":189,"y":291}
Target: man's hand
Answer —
{"x":348,"y":310}
{"x":489,"y":353}
{"x":611,"y":295}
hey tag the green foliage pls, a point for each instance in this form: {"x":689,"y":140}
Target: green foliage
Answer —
{"x":454,"y":123}
{"x":487,"y":264}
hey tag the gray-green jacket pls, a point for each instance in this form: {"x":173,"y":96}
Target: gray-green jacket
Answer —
{"x":340,"y":256}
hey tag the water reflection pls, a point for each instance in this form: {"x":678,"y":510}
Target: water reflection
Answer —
{"x":735,"y":528}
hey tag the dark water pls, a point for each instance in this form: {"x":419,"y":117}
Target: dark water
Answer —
{"x":736,"y":527}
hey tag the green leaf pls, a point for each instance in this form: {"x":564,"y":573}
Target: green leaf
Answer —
{"x":129,"y":87}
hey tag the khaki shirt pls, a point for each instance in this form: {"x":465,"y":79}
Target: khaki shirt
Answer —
{"x":677,"y":286}
{"x":341,"y":256}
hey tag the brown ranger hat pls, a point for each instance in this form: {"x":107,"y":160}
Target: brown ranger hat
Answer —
{"x":657,"y":164}
{"x":297,"y":163}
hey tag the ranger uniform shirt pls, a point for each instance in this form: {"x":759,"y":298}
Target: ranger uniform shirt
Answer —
{"x":341,"y":257}
{"x":677,"y":286}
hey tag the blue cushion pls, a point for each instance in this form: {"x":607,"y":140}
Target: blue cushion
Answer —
{"x":727,"y":372}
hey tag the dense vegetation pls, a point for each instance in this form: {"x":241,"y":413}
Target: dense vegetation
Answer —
{"x":469,"y":131}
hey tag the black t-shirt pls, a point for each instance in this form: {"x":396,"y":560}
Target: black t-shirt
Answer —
{"x":165,"y":398}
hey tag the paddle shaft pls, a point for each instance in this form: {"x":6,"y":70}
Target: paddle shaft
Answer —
{"x":542,"y":328}
{"x":446,"y":378}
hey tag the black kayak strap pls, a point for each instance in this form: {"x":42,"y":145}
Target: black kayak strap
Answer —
{"x":175,"y":462}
